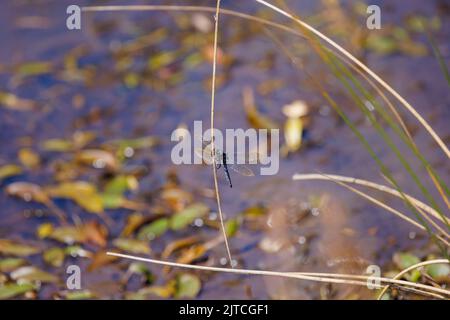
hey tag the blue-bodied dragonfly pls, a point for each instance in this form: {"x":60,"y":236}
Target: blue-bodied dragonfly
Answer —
{"x":222,"y":159}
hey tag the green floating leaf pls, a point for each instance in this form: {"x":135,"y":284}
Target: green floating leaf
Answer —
{"x":255,"y":211}
{"x":9,"y":170}
{"x":83,"y":193}
{"x":154,"y":229}
{"x":162,"y":59}
{"x":79,"y":295}
{"x":439,"y":272}
{"x":120,"y":184}
{"x":132,"y":245}
{"x":187,"y":286}
{"x":68,"y":235}
{"x":185,"y":217}
{"x":57,"y":145}
{"x":10,"y":264}
{"x":113,"y":195}
{"x":12,"y":290}
{"x":34,"y":68}
{"x":54,"y":256}
{"x":33,"y":274}
{"x":142,"y":269}
{"x":9,"y":247}
{"x":383,"y":45}
{"x":232,"y":226}
{"x":406,"y":260}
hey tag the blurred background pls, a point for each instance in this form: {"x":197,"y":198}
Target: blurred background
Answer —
{"x":85,"y":124}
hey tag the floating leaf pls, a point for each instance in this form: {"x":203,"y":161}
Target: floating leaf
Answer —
{"x":9,"y":170}
{"x":154,"y":229}
{"x":254,"y":212}
{"x":142,"y":269}
{"x":439,"y":272}
{"x":100,"y":259}
{"x":381,"y":44}
{"x":191,"y":254}
{"x":133,"y":222}
{"x":98,"y":159}
{"x":162,"y":59}
{"x":10,"y":264}
{"x":77,"y":251}
{"x":176,"y":198}
{"x":254,"y":117}
{"x":13,"y":102}
{"x":33,"y":274}
{"x":178,"y":244}
{"x":28,"y":192}
{"x":185,"y":217}
{"x":57,"y":145}
{"x":83,"y":193}
{"x":9,"y":247}
{"x":112,"y":201}
{"x":132,"y":245}
{"x":89,"y":232}
{"x":79,"y":295}
{"x":232,"y":226}
{"x":29,"y":158}
{"x":161,"y":291}
{"x":54,"y":256}
{"x":121,"y":184}
{"x":68,"y":235}
{"x":12,"y":290}
{"x":406,"y":260}
{"x":34,"y":68}
{"x":113,"y":195}
{"x":95,"y":233}
{"x":187,"y":286}
{"x":44,"y":230}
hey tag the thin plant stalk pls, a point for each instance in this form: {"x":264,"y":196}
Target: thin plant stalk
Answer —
{"x":213,"y":96}
{"x":369,"y":184}
{"x":325,"y":277}
{"x":405,"y":103}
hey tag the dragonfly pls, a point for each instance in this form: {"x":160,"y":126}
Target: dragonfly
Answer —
{"x":222,"y":159}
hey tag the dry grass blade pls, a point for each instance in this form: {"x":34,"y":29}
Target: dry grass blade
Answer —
{"x":361,"y":65}
{"x":413,"y":267}
{"x":318,"y":277}
{"x":370,"y":184}
{"x":213,"y":96}
{"x":390,"y":209}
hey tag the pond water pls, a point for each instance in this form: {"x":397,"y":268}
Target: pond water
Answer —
{"x":127,"y":75}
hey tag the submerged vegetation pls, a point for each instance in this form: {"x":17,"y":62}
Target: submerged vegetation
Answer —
{"x":87,"y":181}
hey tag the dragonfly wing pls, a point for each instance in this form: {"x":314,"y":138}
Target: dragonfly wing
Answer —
{"x":251,"y":157}
{"x":242,"y":169}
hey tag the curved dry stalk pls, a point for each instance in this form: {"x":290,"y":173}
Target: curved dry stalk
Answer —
{"x":213,"y":96}
{"x":318,"y":277}
{"x":373,"y":185}
{"x":413,"y":267}
{"x":405,"y":103}
{"x":388,"y":208}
